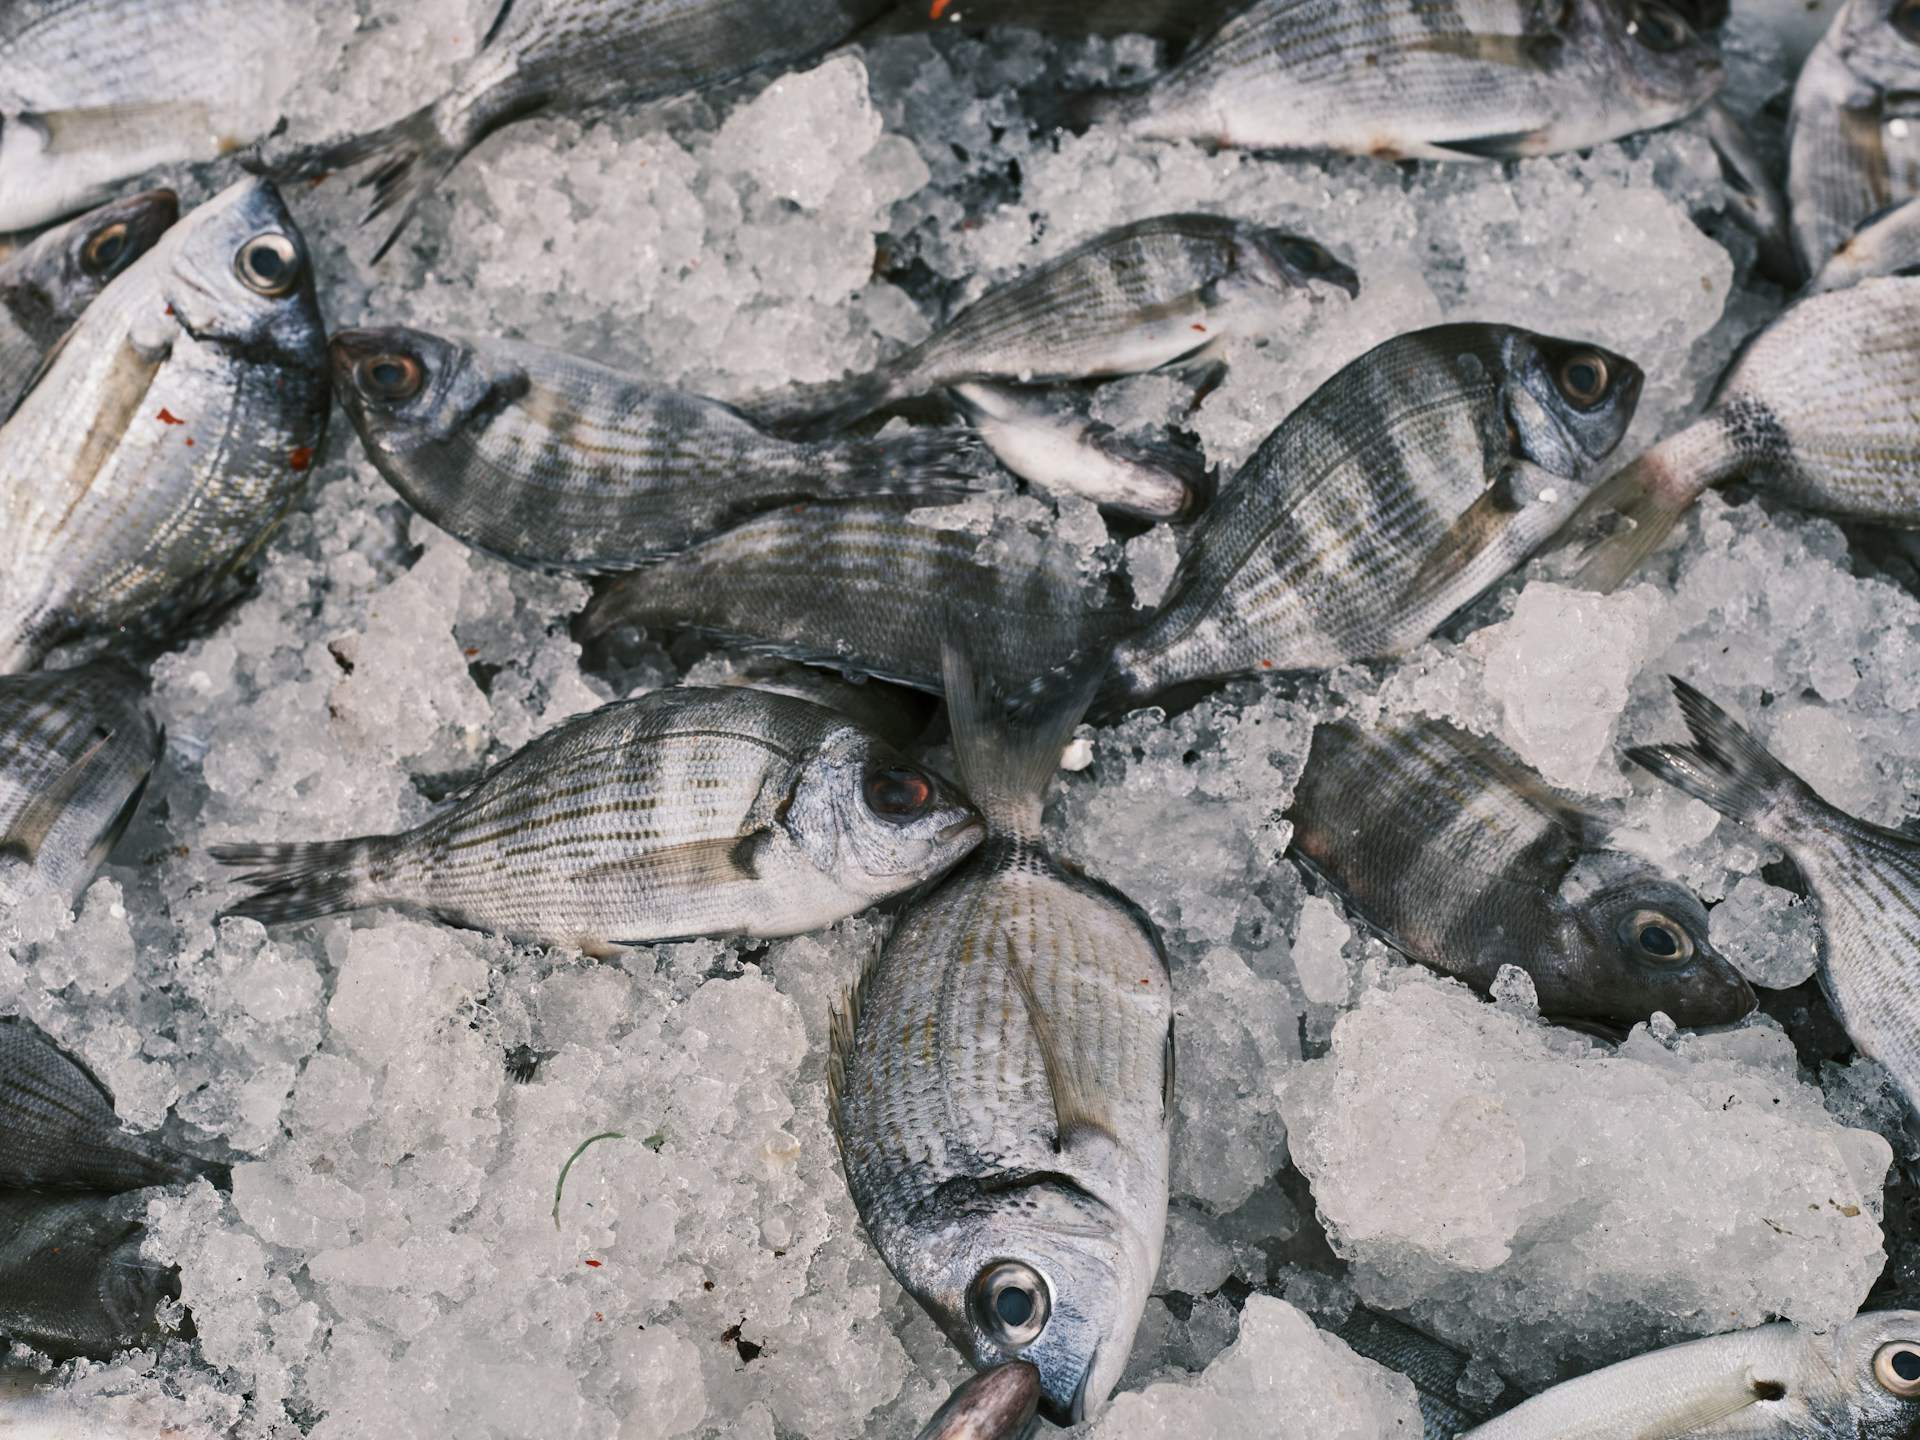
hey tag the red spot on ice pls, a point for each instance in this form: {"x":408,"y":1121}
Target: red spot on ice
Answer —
{"x":301,"y":458}
{"x":167,"y":417}
{"x":593,"y":1264}
{"x":1266,"y":664}
{"x":1201,"y":328}
{"x":189,"y":442}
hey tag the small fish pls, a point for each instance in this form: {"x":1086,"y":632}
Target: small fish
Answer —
{"x":1465,"y":860}
{"x":1753,"y":199}
{"x":47,"y":283}
{"x":1887,"y":243}
{"x":1403,"y":487}
{"x":1464,"y":80}
{"x":1865,"y":879}
{"x":32,"y":1409}
{"x":685,"y":812}
{"x":1001,"y":1080}
{"x":1434,"y":1368}
{"x":76,"y":749}
{"x":71,"y":1278}
{"x":860,"y":586}
{"x":1821,"y":409}
{"x":1858,"y":1381}
{"x":1853,"y":140}
{"x":1130,"y":299}
{"x":168,"y":433}
{"x":1058,"y":447}
{"x":996,"y":1404}
{"x":58,"y":1130}
{"x":553,"y":461}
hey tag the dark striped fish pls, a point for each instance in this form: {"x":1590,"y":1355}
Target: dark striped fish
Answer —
{"x":1128,"y":300}
{"x":1821,"y":409}
{"x":549,"y":460}
{"x":76,"y":748}
{"x":1001,"y":1083}
{"x":1464,"y":860}
{"x":1434,"y":1368}
{"x":72,"y":1282}
{"x":1413,"y":479}
{"x":1865,"y":879}
{"x":170,"y":434}
{"x":860,"y":586}
{"x":996,"y":1404}
{"x":1887,"y":243}
{"x":685,"y":812}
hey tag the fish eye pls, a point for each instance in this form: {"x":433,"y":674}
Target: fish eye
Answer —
{"x":268,"y":264}
{"x":1011,"y":1303}
{"x":898,"y":794}
{"x":1659,"y":29}
{"x":1906,"y":19}
{"x":1583,"y":378}
{"x":1896,"y":1365}
{"x":1305,"y":255}
{"x":105,"y":249}
{"x":1657,"y":937}
{"x":389,"y":377}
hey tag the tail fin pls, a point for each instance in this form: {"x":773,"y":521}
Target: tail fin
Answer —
{"x":1652,"y":494}
{"x":942,"y":463}
{"x":413,"y":155}
{"x":1007,"y":756}
{"x":813,"y":412}
{"x":1725,"y":766}
{"x":303,"y":882}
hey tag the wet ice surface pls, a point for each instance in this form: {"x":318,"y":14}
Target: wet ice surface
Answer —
{"x":392,"y":1261}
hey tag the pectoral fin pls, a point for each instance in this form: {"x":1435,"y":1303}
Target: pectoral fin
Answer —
{"x":1520,"y":52}
{"x":725,"y":860}
{"x":1693,"y":1410}
{"x":30,"y":828}
{"x":1510,"y":145}
{"x":1078,"y":1109}
{"x":1476,"y":528}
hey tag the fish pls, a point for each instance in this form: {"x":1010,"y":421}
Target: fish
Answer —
{"x":1179,"y":21}
{"x":1887,"y":243}
{"x":1397,"y":80}
{"x":1864,"y":878}
{"x":1062,"y":449}
{"x":1447,"y":846}
{"x":167,"y":435}
{"x":1000,"y":1081}
{"x":996,"y":1404}
{"x":552,"y":461}
{"x":1433,"y":1367}
{"x":58,"y":1130}
{"x":1853,"y":133}
{"x":31,"y":1409}
{"x":1859,"y":1380}
{"x":1404,"y":486}
{"x":77,"y":748}
{"x":1820,"y":410}
{"x":897,"y":715}
{"x":577,"y":57}
{"x":72,"y":1282}
{"x":690,"y":811}
{"x":48,"y":283}
{"x":859,"y":586}
{"x":1130,"y":299}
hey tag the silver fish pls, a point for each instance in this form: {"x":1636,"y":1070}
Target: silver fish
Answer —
{"x":996,"y":1404}
{"x":1130,"y":299}
{"x":1865,"y":878}
{"x":1465,"y":80}
{"x":1404,"y":486}
{"x":47,"y":283}
{"x":1854,"y":137}
{"x":553,"y":461}
{"x":1000,"y":1082}
{"x":32,"y":1409}
{"x":1820,"y":409}
{"x":76,"y":749}
{"x":1434,"y":1368}
{"x":1857,"y":1381}
{"x":685,"y":812}
{"x":71,"y":1278}
{"x":170,"y":434}
{"x":1465,"y":860}
{"x":1887,"y":243}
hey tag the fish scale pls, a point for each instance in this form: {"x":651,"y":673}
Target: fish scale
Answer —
{"x":71,"y":1278}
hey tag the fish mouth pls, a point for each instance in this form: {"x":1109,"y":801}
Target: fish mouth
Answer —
{"x":1075,"y":1411}
{"x":962,"y":827}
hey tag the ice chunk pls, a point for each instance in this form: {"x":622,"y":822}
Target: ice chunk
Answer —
{"x":803,"y":132}
{"x":1325,"y":975}
{"x":1769,"y":934}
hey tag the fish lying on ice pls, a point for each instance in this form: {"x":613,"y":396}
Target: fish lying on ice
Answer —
{"x":1887,"y":243}
{"x":71,"y":1278}
{"x":996,"y":1404}
{"x":1433,"y":1367}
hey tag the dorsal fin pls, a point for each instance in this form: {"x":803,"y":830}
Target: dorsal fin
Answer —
{"x":20,"y":1022}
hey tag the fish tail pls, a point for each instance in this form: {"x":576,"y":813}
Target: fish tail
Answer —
{"x":812,"y":412}
{"x":936,"y":462}
{"x":304,"y":882}
{"x":1651,"y":494}
{"x":167,"y":1166}
{"x":1007,"y":754}
{"x":410,"y":158}
{"x":1724,"y":766}
{"x":624,"y":600}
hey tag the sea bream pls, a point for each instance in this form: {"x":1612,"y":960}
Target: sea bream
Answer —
{"x":72,"y":1281}
{"x":1887,"y":243}
{"x":684,"y":812}
{"x":1433,"y":1367}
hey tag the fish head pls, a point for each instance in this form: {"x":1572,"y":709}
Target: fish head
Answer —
{"x":1285,"y":261}
{"x":1646,"y":948}
{"x":1875,"y":1357}
{"x":874,"y":821}
{"x":408,"y":390}
{"x":238,"y":272}
{"x":1567,"y":404}
{"x":1659,"y":67}
{"x":60,"y":273}
{"x":1879,"y":42}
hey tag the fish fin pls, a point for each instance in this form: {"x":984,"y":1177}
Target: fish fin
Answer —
{"x":413,"y":155}
{"x":499,"y":23}
{"x":1008,"y":757}
{"x":303,"y":881}
{"x":1860,"y":124}
{"x":1169,"y":1063}
{"x":1520,"y":52}
{"x":1077,"y":1111}
{"x":1652,"y":496}
{"x":39,"y":373}
{"x":84,"y":1070}
{"x":1472,"y":531}
{"x":843,"y":1024}
{"x":811,"y":412}
{"x":1586,"y":828}
{"x":933,"y":463}
{"x":28,"y":832}
{"x":1724,"y":766}
{"x":1508,"y":145}
{"x":725,"y":859}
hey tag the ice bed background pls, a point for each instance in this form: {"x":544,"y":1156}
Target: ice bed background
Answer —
{"x":388,"y":1263}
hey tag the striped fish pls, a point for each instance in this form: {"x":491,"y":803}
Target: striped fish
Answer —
{"x":1413,"y":479}
{"x":685,"y":812}
{"x":1887,"y":243}
{"x":71,"y":1278}
{"x":169,"y":435}
{"x":1000,"y":1082}
{"x":553,"y":461}
{"x":1865,"y":879}
{"x":1434,"y":1368}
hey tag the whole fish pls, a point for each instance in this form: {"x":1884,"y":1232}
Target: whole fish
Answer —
{"x":1001,"y":1079}
{"x":1858,"y":1381}
{"x":71,"y":1278}
{"x":47,"y":283}
{"x":1057,"y":446}
{"x":1887,"y":243}
{"x":1404,"y":486}
{"x":1865,"y":879}
{"x":685,"y":812}
{"x":996,"y":1404}
{"x":1468,"y":80}
{"x":1853,"y":144}
{"x":58,"y":1130}
{"x":1130,"y":299}
{"x":1465,"y":860}
{"x":860,"y":586}
{"x":1433,"y":1367}
{"x":170,"y":434}
{"x":32,"y":1409}
{"x":554,"y":461}
{"x":1820,"y":409}
{"x":76,"y":749}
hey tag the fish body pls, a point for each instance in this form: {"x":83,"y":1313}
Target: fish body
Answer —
{"x":76,"y":748}
{"x":897,"y":715}
{"x":996,"y":1404}
{"x":1404,"y":486}
{"x":860,"y":586}
{"x":1000,"y":1082}
{"x":170,"y":434}
{"x":1179,"y":21}
{"x":554,"y":461}
{"x":31,"y":1409}
{"x":1865,"y":879}
{"x":1887,"y":243}
{"x":71,"y":1278}
{"x":1434,"y":1368}
{"x":1858,"y":1381}
{"x":1128,"y":300}
{"x":685,"y":812}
